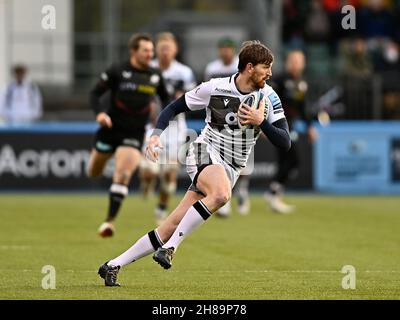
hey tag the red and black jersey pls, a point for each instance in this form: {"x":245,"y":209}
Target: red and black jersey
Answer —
{"x":132,"y":90}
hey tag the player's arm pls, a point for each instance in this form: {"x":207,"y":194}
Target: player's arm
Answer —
{"x":274,"y":124}
{"x":195,"y":99}
{"x":104,"y":84}
{"x":277,"y":132}
{"x":169,"y":113}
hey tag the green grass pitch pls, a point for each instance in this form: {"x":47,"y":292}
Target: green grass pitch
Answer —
{"x":259,"y":256}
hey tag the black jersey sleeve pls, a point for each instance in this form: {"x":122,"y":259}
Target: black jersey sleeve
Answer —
{"x":105,"y":83}
{"x":163,"y":93}
{"x":277,"y":133}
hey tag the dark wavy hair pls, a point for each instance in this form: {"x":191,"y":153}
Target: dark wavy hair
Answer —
{"x":254,"y":52}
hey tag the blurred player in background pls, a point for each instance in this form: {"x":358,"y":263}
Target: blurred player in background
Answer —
{"x":225,"y":66}
{"x":292,"y":89}
{"x":178,"y":78}
{"x":213,"y":166}
{"x":133,"y":85}
{"x":22,"y":101}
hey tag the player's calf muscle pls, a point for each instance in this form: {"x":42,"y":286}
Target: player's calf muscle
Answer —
{"x":122,"y":176}
{"x":91,"y":173}
{"x":168,"y":227}
{"x":94,"y":170}
{"x":97,"y":163}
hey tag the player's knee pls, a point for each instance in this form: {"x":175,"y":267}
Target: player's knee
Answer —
{"x":221,"y":197}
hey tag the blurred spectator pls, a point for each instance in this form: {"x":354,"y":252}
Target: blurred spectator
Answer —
{"x":22,"y":100}
{"x":396,"y":11}
{"x":293,"y":23}
{"x":385,"y":54}
{"x":369,"y":55}
{"x":375,"y":20}
{"x":317,"y":23}
{"x":356,"y":59}
{"x":359,"y":80}
{"x":391,"y":55}
{"x":227,"y":64}
{"x":391,"y":105}
{"x":389,"y":68}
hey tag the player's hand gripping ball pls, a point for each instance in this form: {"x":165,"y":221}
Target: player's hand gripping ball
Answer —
{"x":252,"y":110}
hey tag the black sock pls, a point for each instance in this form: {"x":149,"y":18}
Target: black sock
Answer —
{"x":162,"y":206}
{"x":117,"y":195}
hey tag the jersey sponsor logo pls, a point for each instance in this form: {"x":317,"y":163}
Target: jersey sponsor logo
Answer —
{"x":231,"y":118}
{"x":128,"y":86}
{"x":275,"y":101}
{"x":154,"y":79}
{"x":223,"y":90}
{"x":146,"y":89}
{"x":103,"y":146}
{"x":126,"y":74}
{"x":218,"y":102}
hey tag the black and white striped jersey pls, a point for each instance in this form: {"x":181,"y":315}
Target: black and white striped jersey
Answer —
{"x":221,"y":99}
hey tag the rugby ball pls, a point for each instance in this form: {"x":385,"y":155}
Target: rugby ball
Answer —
{"x":253,"y":101}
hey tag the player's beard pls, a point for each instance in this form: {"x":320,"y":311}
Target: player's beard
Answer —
{"x":258,"y":82}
